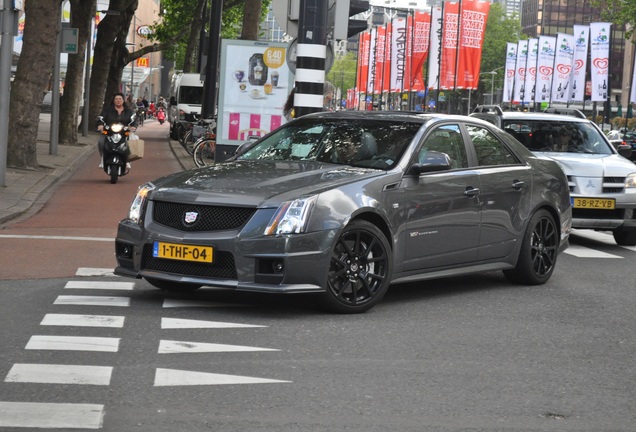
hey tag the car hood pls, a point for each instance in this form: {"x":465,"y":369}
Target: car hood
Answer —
{"x":591,"y":165}
{"x":254,"y":183}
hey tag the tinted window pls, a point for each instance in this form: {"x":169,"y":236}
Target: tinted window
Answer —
{"x":490,"y":150}
{"x":558,"y":136}
{"x":447,"y":140}
{"x":378,"y":144}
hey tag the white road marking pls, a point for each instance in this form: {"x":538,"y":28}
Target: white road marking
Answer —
{"x":600,"y":236}
{"x":92,"y":301}
{"x":173,"y":303}
{"x":51,"y":415}
{"x":89,"y":271}
{"x":126,"y":286}
{"x":584,"y":252}
{"x":176,"y":323}
{"x":73,"y":343}
{"x":59,"y":374}
{"x":50,"y":237}
{"x":83,"y":320}
{"x":172,"y":347}
{"x":174,"y":377}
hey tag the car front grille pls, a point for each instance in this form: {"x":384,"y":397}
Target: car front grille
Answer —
{"x":209,"y":218}
{"x":222,"y":268}
{"x":610,"y":184}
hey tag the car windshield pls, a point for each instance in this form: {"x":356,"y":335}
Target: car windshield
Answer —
{"x":360,"y":143}
{"x":555,"y":136}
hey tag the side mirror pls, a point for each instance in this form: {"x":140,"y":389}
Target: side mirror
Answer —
{"x":243,"y":148}
{"x":624,"y":150}
{"x":433,"y":162}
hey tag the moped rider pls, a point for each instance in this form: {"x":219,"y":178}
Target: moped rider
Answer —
{"x":116,"y":112}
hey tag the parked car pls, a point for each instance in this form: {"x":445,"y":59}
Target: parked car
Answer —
{"x":602,"y":181}
{"x":630,"y":138}
{"x":343,"y":204}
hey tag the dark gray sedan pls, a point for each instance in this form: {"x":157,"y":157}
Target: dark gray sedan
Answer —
{"x":345,"y":204}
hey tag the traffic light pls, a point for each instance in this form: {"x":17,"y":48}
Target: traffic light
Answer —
{"x":343,"y":27}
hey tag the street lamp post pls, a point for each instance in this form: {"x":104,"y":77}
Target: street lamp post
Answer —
{"x":492,"y":74}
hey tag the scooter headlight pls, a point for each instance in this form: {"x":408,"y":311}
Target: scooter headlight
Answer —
{"x":116,"y":137}
{"x":139,"y":203}
{"x":117,"y":127}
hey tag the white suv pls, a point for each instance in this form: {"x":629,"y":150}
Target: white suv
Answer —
{"x":602,"y":181}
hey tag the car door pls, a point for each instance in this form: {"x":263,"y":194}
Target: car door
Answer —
{"x":506,"y":190}
{"x":443,"y":207}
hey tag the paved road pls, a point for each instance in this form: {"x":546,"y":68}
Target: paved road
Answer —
{"x":81,"y":217}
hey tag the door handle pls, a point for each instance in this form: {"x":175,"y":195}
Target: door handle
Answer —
{"x":518,"y":185}
{"x":471,"y":191}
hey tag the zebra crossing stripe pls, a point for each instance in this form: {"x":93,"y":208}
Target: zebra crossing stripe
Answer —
{"x":173,"y":303}
{"x":126,"y":286}
{"x":92,"y":301}
{"x":51,"y":415}
{"x":174,"y":377}
{"x":59,"y":374}
{"x":83,"y":320}
{"x":584,"y":252}
{"x":174,"y":347}
{"x":176,"y":323}
{"x":73,"y":343}
{"x":90,"y":271}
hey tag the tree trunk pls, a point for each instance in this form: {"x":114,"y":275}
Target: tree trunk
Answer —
{"x":107,"y":32}
{"x":192,"y":48}
{"x":41,"y":28}
{"x":251,"y":19}
{"x":82,"y":13}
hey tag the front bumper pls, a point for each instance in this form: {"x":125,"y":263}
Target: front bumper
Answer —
{"x":270,"y":264}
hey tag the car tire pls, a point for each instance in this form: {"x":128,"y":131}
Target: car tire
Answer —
{"x":172,"y":286}
{"x":360,"y":269}
{"x":539,"y":250}
{"x":625,"y":236}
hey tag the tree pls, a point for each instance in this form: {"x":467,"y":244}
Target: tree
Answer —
{"x":82,"y":13}
{"x":619,"y":13}
{"x":30,"y":83}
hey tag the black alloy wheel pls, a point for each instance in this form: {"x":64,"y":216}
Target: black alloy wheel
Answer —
{"x":360,"y":269}
{"x":539,"y":250}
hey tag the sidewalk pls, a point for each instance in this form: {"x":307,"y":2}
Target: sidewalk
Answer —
{"x":24,"y":188}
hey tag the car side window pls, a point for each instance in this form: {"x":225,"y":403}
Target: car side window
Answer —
{"x":448,"y":140}
{"x":490,"y":150}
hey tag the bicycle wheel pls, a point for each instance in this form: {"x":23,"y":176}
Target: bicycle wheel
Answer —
{"x":184,"y":139}
{"x":204,"y":152}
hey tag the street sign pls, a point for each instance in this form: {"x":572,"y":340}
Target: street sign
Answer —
{"x":70,"y":39}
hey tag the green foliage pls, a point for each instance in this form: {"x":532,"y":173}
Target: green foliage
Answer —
{"x":618,"y":13}
{"x":343,"y":72}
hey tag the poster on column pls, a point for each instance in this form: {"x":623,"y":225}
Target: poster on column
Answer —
{"x":579,"y":66}
{"x":254,"y":83}
{"x":599,"y":55}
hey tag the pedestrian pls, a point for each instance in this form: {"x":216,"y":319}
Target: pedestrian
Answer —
{"x":328,"y":92}
{"x":115,"y":112}
{"x":288,"y":109}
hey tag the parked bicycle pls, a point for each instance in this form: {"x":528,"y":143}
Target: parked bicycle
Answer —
{"x":204,"y":148}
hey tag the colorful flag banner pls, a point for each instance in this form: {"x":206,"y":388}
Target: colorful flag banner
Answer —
{"x":509,"y":78}
{"x":545,"y":68}
{"x":433,"y":58}
{"x":372,"y":62}
{"x":563,"y":61}
{"x":363,"y":61}
{"x":599,"y":55}
{"x":450,"y":33}
{"x":531,"y":71}
{"x":421,"y":37}
{"x":520,"y":71}
{"x":581,"y":43}
{"x":472,"y":31}
{"x":398,"y":54}
{"x":380,"y":56}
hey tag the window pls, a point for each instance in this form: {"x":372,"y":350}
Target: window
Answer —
{"x":447,"y":140}
{"x":490,"y":150}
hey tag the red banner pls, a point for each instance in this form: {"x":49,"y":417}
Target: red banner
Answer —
{"x":450,"y":29}
{"x":380,"y":57}
{"x":472,"y":30}
{"x":421,"y":35}
{"x":363,"y":61}
{"x":386,"y":73}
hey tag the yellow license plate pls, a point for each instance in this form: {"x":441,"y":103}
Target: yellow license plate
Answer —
{"x":183,"y":252}
{"x":594,"y":203}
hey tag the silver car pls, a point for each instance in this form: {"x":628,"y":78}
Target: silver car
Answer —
{"x":601,"y":179}
{"x":344,"y":204}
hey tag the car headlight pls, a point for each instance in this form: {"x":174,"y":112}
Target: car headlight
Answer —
{"x":291,"y":217}
{"x":630,"y":181}
{"x":138,"y":204}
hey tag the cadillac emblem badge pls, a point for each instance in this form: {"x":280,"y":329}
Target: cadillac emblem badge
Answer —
{"x":190,"y":217}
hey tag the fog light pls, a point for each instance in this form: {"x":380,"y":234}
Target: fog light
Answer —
{"x":125,"y":251}
{"x":278,"y":266}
